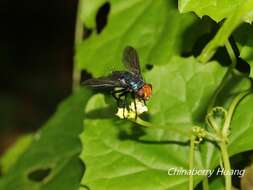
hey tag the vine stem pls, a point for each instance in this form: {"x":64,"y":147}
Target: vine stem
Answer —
{"x":226,"y":163}
{"x":225,"y":132}
{"x":205,"y":183}
{"x":139,"y":121}
{"x":191,"y":161}
{"x":231,"y":110}
{"x":76,"y":77}
{"x":222,"y":134}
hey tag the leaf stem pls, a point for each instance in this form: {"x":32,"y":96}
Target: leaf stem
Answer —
{"x":191,"y":161}
{"x":76,"y":77}
{"x":231,"y":54}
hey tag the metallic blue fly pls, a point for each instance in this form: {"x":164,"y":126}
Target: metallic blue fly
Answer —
{"x":122,"y":83}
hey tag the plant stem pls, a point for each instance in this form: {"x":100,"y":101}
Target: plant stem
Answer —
{"x":191,"y":161}
{"x":205,"y":183}
{"x":226,"y":163}
{"x":231,"y":54}
{"x":76,"y":77}
{"x":139,"y":121}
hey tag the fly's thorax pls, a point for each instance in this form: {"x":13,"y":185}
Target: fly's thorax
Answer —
{"x":136,"y":85}
{"x":131,"y":81}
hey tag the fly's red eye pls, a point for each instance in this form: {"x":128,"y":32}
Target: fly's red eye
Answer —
{"x":147,"y":89}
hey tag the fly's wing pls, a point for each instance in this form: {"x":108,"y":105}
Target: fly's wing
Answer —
{"x":131,"y":61}
{"x":102,"y":83}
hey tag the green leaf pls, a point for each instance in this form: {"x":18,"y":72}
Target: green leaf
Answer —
{"x":226,"y":30}
{"x":155,"y":28}
{"x":119,"y":155}
{"x":216,"y":9}
{"x":51,"y":161}
{"x":13,"y":153}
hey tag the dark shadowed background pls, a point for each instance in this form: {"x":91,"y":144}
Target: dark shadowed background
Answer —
{"x":36,"y":55}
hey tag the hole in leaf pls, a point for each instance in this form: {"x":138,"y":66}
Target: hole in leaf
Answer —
{"x":149,"y":66}
{"x":221,"y":55}
{"x":197,"y":35}
{"x":84,"y":186}
{"x":86,"y":32}
{"x":102,"y":15}
{"x":234,"y":46}
{"x":39,"y":175}
{"x":242,"y":66}
{"x":198,"y":46}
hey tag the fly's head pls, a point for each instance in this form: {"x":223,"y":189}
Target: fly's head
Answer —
{"x":145,"y":92}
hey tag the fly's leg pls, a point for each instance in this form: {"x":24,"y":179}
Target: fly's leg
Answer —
{"x":121,"y":93}
{"x":114,"y":92}
{"x":135,"y":108}
{"x":124,"y":101}
{"x":124,"y":108}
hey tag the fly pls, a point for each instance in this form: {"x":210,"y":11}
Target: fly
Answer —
{"x":122,"y":83}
